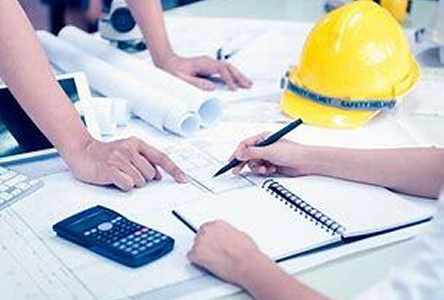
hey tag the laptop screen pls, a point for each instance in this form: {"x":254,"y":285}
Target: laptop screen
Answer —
{"x":18,"y":134}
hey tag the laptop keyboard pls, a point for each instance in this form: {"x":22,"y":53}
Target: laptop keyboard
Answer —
{"x":14,"y":186}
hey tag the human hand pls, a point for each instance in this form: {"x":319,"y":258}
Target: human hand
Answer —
{"x":125,"y":163}
{"x":194,"y":69}
{"x":283,"y":157}
{"x":225,"y":252}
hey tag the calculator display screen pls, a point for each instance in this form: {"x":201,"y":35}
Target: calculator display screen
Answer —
{"x":91,"y":221}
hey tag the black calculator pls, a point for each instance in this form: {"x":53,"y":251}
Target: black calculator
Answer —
{"x":108,"y":233}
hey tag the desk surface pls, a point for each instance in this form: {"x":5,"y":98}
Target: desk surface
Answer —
{"x":338,"y":279}
{"x":329,"y":278}
{"x":285,"y":10}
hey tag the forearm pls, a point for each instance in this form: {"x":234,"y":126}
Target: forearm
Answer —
{"x":25,"y":69}
{"x":149,"y":16}
{"x":264,"y":280}
{"x":417,"y":171}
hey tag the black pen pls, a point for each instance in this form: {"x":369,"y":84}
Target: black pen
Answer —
{"x":268,"y":141}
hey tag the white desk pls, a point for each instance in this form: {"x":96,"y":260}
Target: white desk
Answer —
{"x":284,"y":10}
{"x":343,"y":278}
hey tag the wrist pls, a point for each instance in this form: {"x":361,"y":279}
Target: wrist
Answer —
{"x":71,"y":150}
{"x":316,"y":160}
{"x":252,"y":267}
{"x":163,"y":58}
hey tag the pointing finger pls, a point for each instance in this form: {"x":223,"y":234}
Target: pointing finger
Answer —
{"x":163,"y":161}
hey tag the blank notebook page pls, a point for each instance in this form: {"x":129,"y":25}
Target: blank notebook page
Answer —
{"x":360,"y":208}
{"x":278,"y":230}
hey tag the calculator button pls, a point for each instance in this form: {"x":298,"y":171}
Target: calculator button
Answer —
{"x":149,"y":245}
{"x":5,"y":196}
{"x":105,"y":226}
{"x":23,"y":185}
{"x":156,"y":241}
{"x":144,"y":229}
{"x":144,"y":236}
{"x":87,"y":233}
{"x":13,"y":181}
{"x":135,"y":252}
{"x":163,"y":238}
{"x":137,"y":239}
{"x":143,"y":248}
{"x":3,"y":188}
{"x":143,"y":242}
{"x":7,"y":175}
{"x":93,"y":230}
{"x":116,"y":244}
{"x":138,"y":232}
{"x":130,"y":243}
{"x":16,"y":192}
{"x":33,"y":182}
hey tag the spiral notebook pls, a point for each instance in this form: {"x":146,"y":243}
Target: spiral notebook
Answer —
{"x":290,"y":217}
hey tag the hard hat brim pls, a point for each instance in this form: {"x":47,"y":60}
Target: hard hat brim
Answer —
{"x":323,"y":116}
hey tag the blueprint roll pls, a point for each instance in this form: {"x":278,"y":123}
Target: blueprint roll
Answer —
{"x":150,"y":104}
{"x":208,"y":107}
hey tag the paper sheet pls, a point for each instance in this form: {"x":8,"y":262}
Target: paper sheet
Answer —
{"x":206,"y":288}
{"x":261,"y":90}
{"x":272,"y":54}
{"x":264,"y":110}
{"x":200,"y":166}
{"x":262,"y":50}
{"x":207,"y":106}
{"x":152,"y":105}
{"x":427,"y":97}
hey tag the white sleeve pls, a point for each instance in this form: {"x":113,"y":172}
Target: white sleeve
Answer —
{"x":422,"y":276}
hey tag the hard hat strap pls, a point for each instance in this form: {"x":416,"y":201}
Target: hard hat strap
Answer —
{"x":369,"y":105}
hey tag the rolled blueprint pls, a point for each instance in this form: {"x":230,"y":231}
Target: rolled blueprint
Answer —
{"x":105,"y":115}
{"x":150,"y":104}
{"x":208,"y":107}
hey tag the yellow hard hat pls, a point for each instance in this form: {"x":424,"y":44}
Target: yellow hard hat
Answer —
{"x":398,"y":8}
{"x":355,"y":62}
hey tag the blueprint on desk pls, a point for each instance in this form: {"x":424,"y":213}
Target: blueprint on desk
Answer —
{"x":35,"y":264}
{"x":38,"y":265}
{"x":263,"y":50}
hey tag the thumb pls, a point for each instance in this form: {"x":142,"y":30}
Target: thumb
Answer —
{"x":251,"y":153}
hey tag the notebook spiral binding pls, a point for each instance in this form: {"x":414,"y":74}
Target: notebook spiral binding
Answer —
{"x":302,"y":207}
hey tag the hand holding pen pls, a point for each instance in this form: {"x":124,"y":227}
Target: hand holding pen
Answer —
{"x":265,"y":154}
